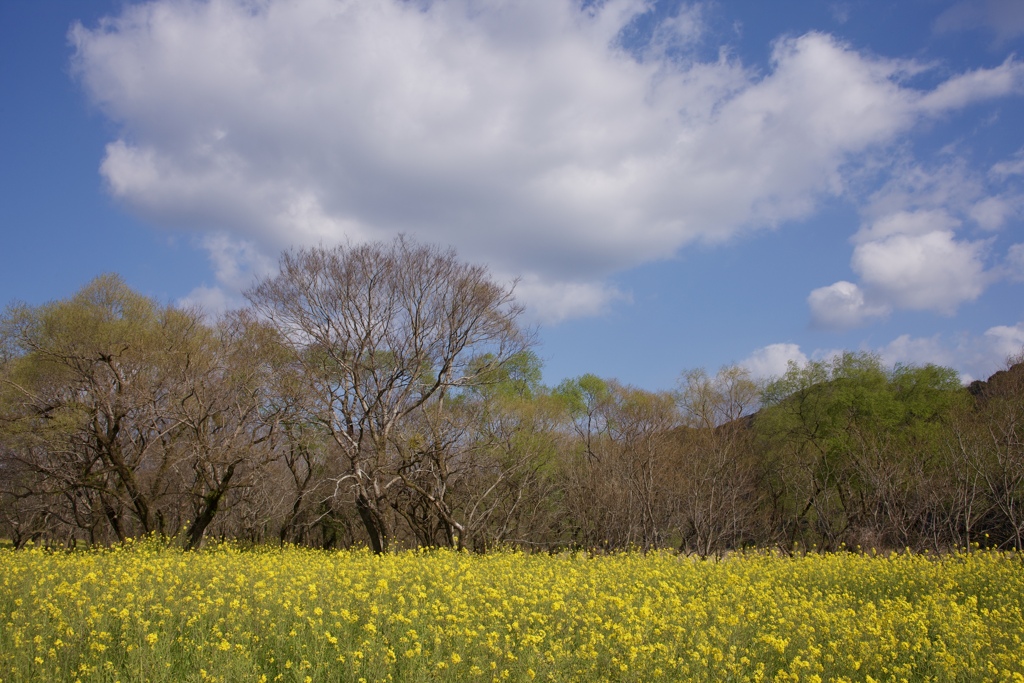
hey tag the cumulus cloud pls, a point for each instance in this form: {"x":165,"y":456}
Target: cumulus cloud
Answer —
{"x":914,"y":250}
{"x":974,"y":356}
{"x":842,"y":305}
{"x":925,"y":270}
{"x":908,"y":350}
{"x":930,"y":271}
{"x":773,"y":360}
{"x":1006,"y":340}
{"x":523,"y":133}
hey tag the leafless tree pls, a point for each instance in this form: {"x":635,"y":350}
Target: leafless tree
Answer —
{"x":229,"y":417}
{"x":990,"y":441}
{"x":718,"y":478}
{"x":380,"y":330}
{"x":473,"y":466}
{"x":618,"y":481}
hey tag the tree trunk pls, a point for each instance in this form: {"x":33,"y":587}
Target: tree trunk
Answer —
{"x":115,"y":521}
{"x":211,"y":503}
{"x":373,"y":524}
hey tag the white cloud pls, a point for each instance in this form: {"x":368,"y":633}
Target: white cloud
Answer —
{"x":917,"y":190}
{"x":1006,"y":340}
{"x":213,"y":301}
{"x":907,"y":350}
{"x":773,"y":360}
{"x":906,"y":223}
{"x":1005,"y":18}
{"x":973,"y":356}
{"x":236,"y":265}
{"x":1010,"y":167}
{"x":520,"y":132}
{"x":909,"y":253}
{"x":841,"y":306}
{"x":552,"y":302}
{"x":929,"y":271}
{"x":991,"y":213}
{"x":972,"y":86}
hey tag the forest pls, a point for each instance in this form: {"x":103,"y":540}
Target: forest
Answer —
{"x":388,"y":395}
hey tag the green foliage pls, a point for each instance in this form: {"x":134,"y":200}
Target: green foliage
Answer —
{"x":518,"y":375}
{"x":830,"y":404}
{"x":857,"y":440}
{"x":583,"y":394}
{"x":353,"y":421}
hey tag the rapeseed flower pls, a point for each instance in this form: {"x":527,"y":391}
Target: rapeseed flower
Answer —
{"x":144,"y":611}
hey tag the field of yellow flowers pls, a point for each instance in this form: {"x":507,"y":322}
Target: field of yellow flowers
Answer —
{"x":146,"y":612}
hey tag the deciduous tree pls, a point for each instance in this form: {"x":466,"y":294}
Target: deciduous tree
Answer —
{"x":380,"y":330}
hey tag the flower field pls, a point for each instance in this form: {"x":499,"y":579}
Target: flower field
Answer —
{"x":147,"y":612}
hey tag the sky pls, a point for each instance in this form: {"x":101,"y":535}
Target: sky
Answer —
{"x":674,"y":185}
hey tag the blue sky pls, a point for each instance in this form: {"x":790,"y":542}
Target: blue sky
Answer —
{"x":676,"y":185}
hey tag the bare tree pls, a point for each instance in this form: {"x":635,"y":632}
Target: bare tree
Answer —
{"x":717,"y":474}
{"x":990,"y":442}
{"x":473,"y":464}
{"x":618,"y":480}
{"x":229,"y":416}
{"x":380,"y":330}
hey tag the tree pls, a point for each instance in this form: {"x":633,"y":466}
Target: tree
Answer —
{"x":380,"y":330}
{"x":618,"y":481}
{"x":229,"y":413}
{"x":718,"y":474}
{"x":989,"y":444}
{"x":586,"y":399}
{"x":855,"y":448}
{"x":116,"y":410}
{"x":474,"y":466}
{"x":85,"y":397}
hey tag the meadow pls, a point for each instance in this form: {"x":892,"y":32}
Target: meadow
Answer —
{"x":147,"y":612}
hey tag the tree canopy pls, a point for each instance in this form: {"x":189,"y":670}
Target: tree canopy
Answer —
{"x":387,"y":394}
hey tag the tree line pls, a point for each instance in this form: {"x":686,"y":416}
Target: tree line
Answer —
{"x":388,"y":395}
